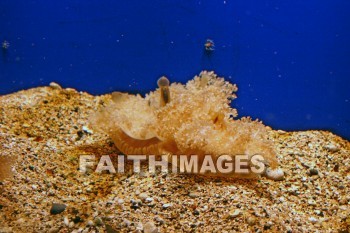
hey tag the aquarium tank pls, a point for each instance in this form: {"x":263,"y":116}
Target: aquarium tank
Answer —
{"x":88,"y":88}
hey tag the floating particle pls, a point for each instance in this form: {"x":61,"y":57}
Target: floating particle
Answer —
{"x":5,"y":44}
{"x":209,"y":45}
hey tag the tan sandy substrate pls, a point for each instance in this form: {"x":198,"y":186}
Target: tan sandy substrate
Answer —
{"x":42,"y":130}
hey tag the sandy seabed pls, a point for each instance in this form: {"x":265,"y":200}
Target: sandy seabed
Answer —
{"x":44,"y":130}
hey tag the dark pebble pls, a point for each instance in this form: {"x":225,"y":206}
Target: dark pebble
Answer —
{"x":196,"y":212}
{"x":313,"y":172}
{"x":109,"y":229}
{"x":57,"y":208}
{"x":75,"y":211}
{"x":321,"y":214}
{"x":135,"y":206}
{"x":336,"y":168}
{"x":80,"y":134}
{"x":151,"y":204}
{"x":267,"y":226}
{"x":77,"y":219}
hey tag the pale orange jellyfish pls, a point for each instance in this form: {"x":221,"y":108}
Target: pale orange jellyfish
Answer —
{"x":191,"y":119}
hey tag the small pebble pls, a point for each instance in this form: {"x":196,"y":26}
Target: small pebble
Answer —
{"x":109,"y":229}
{"x":196,"y":212}
{"x":276,"y":175}
{"x":319,"y":213}
{"x":268,"y":225}
{"x":66,"y":221}
{"x":251,"y":221}
{"x":54,"y":230}
{"x":193,"y":194}
{"x":77,"y":219}
{"x":313,"y":172}
{"x":235,"y":213}
{"x":98,"y":221}
{"x":57,"y":208}
{"x":311,"y":202}
{"x":143,"y":196}
{"x":159,"y":219}
{"x":166,"y":206}
{"x":139,"y":226}
{"x":149,"y":227}
{"x":331,"y":148}
{"x":313,"y":219}
{"x":87,"y":130}
{"x":126,"y":222}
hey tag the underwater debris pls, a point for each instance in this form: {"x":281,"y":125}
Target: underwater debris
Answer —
{"x":209,"y":45}
{"x":197,"y":121}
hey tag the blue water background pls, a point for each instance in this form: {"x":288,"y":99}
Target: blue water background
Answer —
{"x":290,"y":59}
